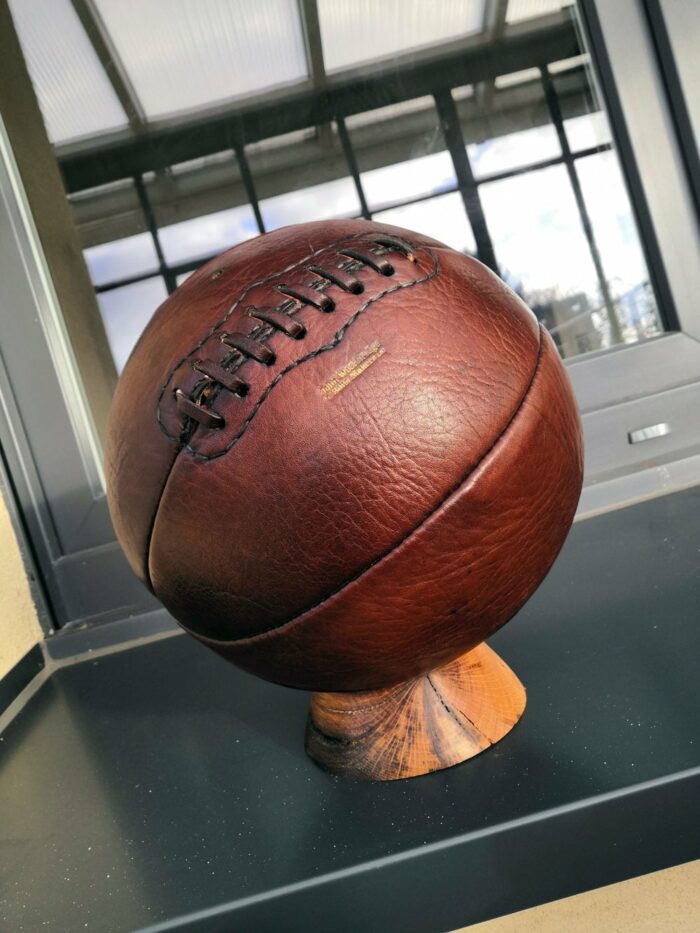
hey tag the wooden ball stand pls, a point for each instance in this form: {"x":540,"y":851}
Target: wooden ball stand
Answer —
{"x":434,"y":721}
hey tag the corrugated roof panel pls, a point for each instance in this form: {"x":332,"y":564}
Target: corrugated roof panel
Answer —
{"x":74,"y":93}
{"x":358,"y":31}
{"x":182,"y":55}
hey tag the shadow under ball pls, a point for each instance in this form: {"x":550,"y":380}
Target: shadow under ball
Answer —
{"x":342,"y":455}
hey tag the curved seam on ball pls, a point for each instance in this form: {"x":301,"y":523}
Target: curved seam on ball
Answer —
{"x":283,"y":626}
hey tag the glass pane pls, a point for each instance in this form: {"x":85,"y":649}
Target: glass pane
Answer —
{"x":360,"y":31}
{"x":517,"y":77}
{"x":585,"y":123}
{"x":587,"y":131}
{"x":108,"y":214}
{"x":381,"y":114}
{"x":73,"y":91}
{"x":429,"y":174}
{"x":618,"y":241}
{"x":181,"y":55}
{"x":442,"y":218}
{"x":411,"y":162}
{"x":206,"y":236}
{"x":514,"y":150}
{"x":302,"y":178}
{"x":121,"y":259}
{"x":126,"y":311}
{"x":318,"y":202}
{"x":541,"y":244}
{"x":518,"y":130}
{"x":543,"y":254}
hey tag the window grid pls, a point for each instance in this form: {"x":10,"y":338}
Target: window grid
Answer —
{"x":467,"y":185}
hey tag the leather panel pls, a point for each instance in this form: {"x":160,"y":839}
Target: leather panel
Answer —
{"x":459,"y":576}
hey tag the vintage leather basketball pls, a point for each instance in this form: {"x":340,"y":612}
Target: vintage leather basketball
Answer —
{"x":343,"y":454}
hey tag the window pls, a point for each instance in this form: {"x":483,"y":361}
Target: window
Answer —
{"x":183,"y":129}
{"x":534,"y":163}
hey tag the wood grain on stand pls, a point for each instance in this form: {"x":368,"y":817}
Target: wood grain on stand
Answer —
{"x":422,"y":725}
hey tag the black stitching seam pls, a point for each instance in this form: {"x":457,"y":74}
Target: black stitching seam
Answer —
{"x":336,"y":340}
{"x":277,"y":629}
{"x":333,"y":342}
{"x":246,"y":291}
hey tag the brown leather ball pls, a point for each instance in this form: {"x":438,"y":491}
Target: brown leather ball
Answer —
{"x":342,"y":454}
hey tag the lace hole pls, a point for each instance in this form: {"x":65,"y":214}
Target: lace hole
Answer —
{"x":299,"y":334}
{"x":388,"y":270}
{"x":329,"y":307}
{"x":357,"y":288}
{"x":271,"y":359}
{"x":242,"y":391}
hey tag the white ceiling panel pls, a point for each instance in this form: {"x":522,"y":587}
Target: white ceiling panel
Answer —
{"x":74,"y":94}
{"x":359,"y":31}
{"x":182,"y":55}
{"x":518,"y":10}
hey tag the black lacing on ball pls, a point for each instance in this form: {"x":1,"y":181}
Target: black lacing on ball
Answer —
{"x":222,"y":375}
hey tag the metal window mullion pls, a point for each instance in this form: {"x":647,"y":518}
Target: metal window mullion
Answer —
{"x":249,"y":185}
{"x":452,"y":131}
{"x":127,"y":280}
{"x":544,"y":163}
{"x":112,"y":64}
{"x":349,"y":153}
{"x":558,"y":121}
{"x":147,"y":209}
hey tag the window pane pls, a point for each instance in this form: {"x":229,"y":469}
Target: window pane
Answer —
{"x":319,"y":202}
{"x":107,"y":214}
{"x":302,"y":177}
{"x":381,"y":114}
{"x":543,"y":254}
{"x":429,"y":174}
{"x":126,"y":311}
{"x":411,"y":161}
{"x":585,"y":122}
{"x":517,"y":77}
{"x":121,"y":259}
{"x":518,"y":130}
{"x":586,"y":131}
{"x":514,"y":151}
{"x":201,"y":237}
{"x":621,"y":252}
{"x":442,"y":218}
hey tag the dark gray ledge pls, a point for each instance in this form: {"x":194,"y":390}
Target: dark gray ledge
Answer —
{"x":158,"y":785}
